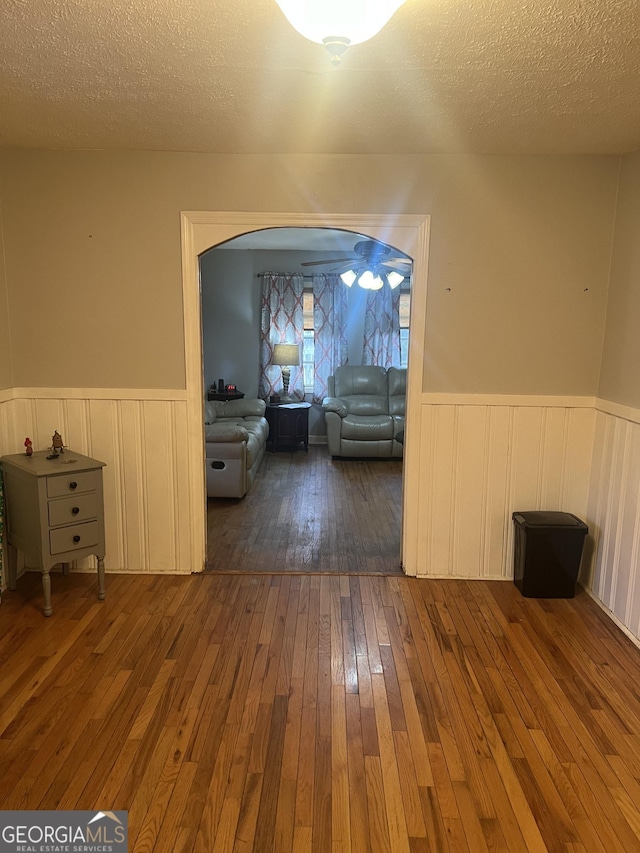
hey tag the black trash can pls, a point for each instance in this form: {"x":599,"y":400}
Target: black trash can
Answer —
{"x":547,"y":553}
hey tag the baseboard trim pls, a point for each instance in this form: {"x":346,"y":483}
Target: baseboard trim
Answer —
{"x":444,"y":577}
{"x":635,"y":640}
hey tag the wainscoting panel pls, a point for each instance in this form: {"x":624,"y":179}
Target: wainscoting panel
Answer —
{"x":135,"y":544}
{"x":146,"y":479}
{"x":106,"y":441}
{"x":614,"y":506}
{"x":480,"y":463}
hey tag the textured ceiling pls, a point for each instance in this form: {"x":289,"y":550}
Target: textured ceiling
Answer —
{"x":488,"y":76}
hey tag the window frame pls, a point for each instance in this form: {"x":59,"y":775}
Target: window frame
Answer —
{"x":308,"y":339}
{"x":404,"y":312}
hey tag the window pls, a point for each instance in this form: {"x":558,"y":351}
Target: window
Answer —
{"x":308,"y":336}
{"x":308,"y":340}
{"x":405,"y":305}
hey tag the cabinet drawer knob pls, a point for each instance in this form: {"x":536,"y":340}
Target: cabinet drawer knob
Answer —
{"x":75,"y":510}
{"x":73,"y":485}
{"x":76,"y":538}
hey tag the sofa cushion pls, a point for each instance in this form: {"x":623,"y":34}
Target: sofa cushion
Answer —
{"x":367,"y":427}
{"x":242,"y":408}
{"x":368,"y":380}
{"x":366,"y":404}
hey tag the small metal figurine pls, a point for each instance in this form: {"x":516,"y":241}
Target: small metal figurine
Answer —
{"x":29,"y":445}
{"x":57,"y":444}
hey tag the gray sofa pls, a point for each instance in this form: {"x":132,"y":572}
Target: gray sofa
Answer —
{"x":236,"y":433}
{"x":364,"y":411}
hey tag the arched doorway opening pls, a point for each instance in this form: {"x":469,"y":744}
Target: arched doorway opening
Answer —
{"x":295,"y":508}
{"x":201,"y":231}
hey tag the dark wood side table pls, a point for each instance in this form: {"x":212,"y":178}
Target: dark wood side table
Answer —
{"x":288,"y":426}
{"x":214,"y":395}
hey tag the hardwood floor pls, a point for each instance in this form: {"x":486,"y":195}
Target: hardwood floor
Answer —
{"x":322,"y":713}
{"x":308,"y":513}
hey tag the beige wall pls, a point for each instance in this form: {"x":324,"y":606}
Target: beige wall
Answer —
{"x":519,"y":259}
{"x":620,"y":376}
{"x":230,"y":319}
{"x":6,"y":380}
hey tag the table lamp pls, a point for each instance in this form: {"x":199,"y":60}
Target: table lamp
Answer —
{"x":285,"y":356}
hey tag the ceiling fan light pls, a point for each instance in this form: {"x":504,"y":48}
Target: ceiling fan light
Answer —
{"x":348,"y":277}
{"x":365,"y":280}
{"x":353,"y":21}
{"x":394,"y":279}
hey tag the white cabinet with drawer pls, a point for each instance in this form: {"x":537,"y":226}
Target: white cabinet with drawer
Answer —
{"x":54,"y":513}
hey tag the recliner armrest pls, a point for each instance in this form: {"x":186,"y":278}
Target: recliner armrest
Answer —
{"x":335,"y":404}
{"x":225,"y":432}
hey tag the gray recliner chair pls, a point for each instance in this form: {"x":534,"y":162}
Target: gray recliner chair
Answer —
{"x":365,"y":410}
{"x":236,"y":435}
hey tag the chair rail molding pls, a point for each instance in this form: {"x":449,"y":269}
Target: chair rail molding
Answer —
{"x":167,"y":394}
{"x":627,"y":413}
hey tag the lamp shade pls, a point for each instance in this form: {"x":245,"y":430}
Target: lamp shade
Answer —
{"x":394,"y":278}
{"x":286,"y":354}
{"x":370,"y":280}
{"x":354,"y":21}
{"x":348,"y":277}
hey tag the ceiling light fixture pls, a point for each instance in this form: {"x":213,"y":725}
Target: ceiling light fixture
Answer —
{"x":370,"y":279}
{"x":337,"y":24}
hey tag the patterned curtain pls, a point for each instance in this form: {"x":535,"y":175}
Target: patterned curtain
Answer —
{"x":382,"y":328}
{"x":329,"y":330}
{"x":281,"y":323}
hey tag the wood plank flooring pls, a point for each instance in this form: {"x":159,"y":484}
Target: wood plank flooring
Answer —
{"x":322,"y":713}
{"x":308,"y":513}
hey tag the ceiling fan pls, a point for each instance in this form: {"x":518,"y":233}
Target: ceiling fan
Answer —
{"x":370,"y":265}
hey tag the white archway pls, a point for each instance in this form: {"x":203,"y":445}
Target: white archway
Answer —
{"x":201,"y":230}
